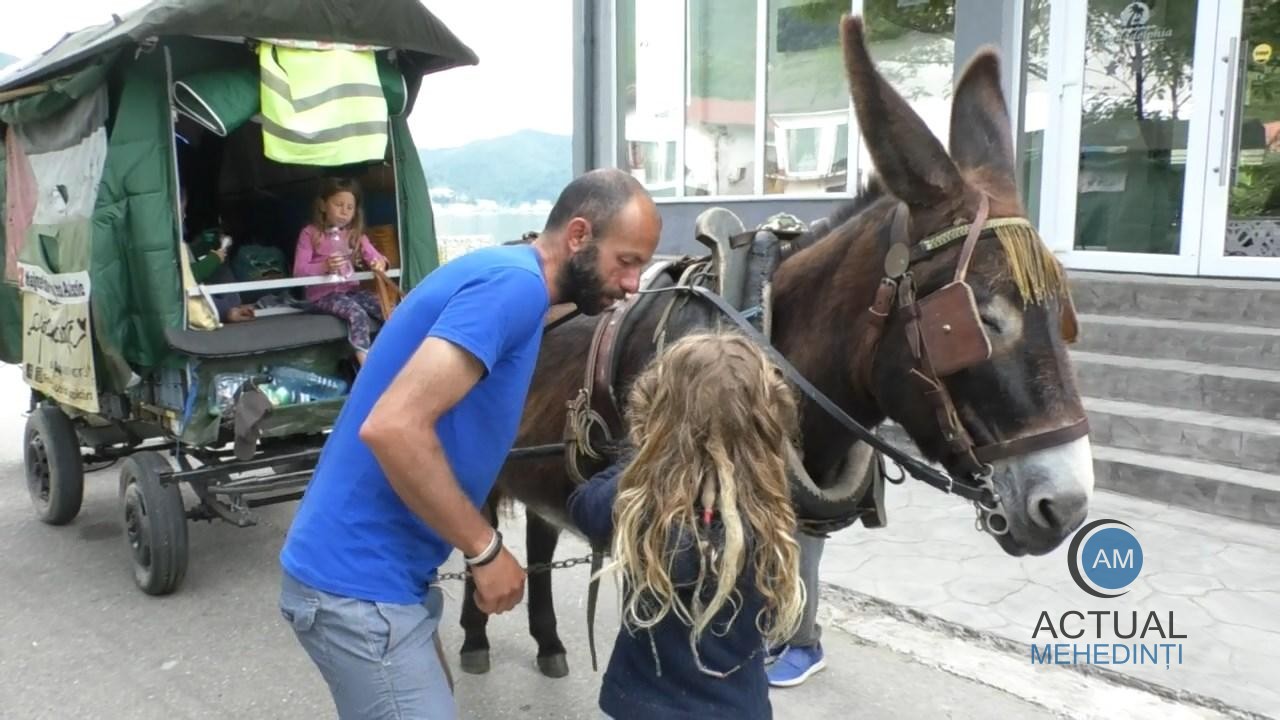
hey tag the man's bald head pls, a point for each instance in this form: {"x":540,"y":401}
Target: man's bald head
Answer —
{"x":603,"y":231}
{"x":597,"y":197}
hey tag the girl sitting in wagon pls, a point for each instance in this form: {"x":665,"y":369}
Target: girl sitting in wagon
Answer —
{"x":703,"y":533}
{"x":334,"y":244}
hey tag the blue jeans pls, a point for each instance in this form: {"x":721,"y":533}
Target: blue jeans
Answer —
{"x":379,"y":659}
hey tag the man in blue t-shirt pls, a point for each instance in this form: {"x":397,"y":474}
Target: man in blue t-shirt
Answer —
{"x":419,"y":443}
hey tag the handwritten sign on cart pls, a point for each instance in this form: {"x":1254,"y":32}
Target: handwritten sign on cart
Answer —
{"x":57,"y":350}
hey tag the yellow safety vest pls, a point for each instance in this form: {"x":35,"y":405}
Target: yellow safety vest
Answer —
{"x":321,"y":107}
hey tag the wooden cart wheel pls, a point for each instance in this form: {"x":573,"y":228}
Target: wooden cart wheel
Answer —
{"x":155,"y":524}
{"x":55,"y":469}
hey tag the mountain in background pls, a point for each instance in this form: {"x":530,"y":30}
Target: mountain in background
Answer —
{"x":524,"y":167}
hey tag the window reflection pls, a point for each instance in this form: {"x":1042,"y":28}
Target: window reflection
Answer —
{"x":807,"y":128}
{"x":650,"y":64}
{"x":1253,"y":223}
{"x":913,"y":45}
{"x":1133,"y":137}
{"x":720,"y":124}
{"x":1035,"y":105}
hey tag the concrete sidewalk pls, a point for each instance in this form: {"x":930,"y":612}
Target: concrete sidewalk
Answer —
{"x":1219,"y":577}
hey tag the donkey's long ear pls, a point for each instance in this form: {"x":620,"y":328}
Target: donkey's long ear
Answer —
{"x":980,"y":132}
{"x":913,"y":164}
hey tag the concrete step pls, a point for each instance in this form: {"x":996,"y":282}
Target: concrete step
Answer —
{"x":1207,"y":487}
{"x":1197,"y":485}
{"x":1215,"y":343}
{"x":1248,"y":443}
{"x":1237,"y":302}
{"x":1219,"y":389}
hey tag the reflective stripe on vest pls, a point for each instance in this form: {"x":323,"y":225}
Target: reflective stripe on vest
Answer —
{"x":321,"y":107}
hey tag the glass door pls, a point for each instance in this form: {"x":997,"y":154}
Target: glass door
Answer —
{"x":1130,"y":125}
{"x":1242,"y":198}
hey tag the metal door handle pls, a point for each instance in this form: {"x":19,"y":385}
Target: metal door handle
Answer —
{"x":1228,"y":114}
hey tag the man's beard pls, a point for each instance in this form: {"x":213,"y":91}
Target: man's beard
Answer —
{"x":581,"y":284}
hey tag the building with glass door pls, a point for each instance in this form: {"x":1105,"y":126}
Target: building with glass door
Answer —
{"x":1149,"y":131}
{"x":1148,"y":141}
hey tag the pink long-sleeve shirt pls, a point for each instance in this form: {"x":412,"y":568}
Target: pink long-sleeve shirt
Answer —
{"x":312,"y":258}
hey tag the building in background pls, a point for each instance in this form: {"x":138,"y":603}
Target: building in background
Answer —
{"x":1148,"y":142}
{"x":1149,"y":132}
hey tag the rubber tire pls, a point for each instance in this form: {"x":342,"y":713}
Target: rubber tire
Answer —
{"x":51,"y":448}
{"x":156,"y":521}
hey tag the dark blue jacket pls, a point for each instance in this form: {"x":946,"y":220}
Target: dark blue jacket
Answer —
{"x":653,"y":674}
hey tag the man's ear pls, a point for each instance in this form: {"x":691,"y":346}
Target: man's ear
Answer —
{"x":577,"y":233}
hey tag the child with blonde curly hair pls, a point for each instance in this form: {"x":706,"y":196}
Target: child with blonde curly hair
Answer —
{"x":702,"y":533}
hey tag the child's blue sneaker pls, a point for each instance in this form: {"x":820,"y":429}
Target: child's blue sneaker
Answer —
{"x":795,"y":664}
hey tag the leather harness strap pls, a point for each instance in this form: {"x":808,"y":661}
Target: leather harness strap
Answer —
{"x":924,"y":374}
{"x":604,"y":401}
{"x":595,"y":405}
{"x":898,"y":282}
{"x":970,"y":241}
{"x":1029,"y":443}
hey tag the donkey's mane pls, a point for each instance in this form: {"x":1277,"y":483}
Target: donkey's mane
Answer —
{"x":865,"y":198}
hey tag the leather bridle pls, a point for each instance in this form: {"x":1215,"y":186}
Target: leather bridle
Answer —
{"x":945,"y":335}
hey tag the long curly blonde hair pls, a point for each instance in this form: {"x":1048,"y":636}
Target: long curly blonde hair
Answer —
{"x":710,"y":420}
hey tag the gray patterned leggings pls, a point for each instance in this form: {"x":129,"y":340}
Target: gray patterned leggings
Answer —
{"x":359,"y":308}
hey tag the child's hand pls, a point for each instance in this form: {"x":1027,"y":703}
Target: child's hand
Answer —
{"x":380,"y":264}
{"x":335,"y":263}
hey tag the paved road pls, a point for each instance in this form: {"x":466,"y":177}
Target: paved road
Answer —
{"x":78,"y":640}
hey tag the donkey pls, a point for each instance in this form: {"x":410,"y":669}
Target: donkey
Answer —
{"x":869,"y":363}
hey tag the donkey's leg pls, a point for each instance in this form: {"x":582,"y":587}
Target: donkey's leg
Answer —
{"x":475,"y":643}
{"x":542,"y":537}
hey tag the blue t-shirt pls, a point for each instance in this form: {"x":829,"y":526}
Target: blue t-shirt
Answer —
{"x":353,"y":535}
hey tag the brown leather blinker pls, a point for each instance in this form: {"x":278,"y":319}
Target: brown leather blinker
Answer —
{"x":952,"y":330}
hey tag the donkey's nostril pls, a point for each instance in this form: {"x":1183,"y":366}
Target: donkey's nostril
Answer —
{"x":1055,"y":512}
{"x":1046,"y":512}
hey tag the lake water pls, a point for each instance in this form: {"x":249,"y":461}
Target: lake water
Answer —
{"x":500,"y":224}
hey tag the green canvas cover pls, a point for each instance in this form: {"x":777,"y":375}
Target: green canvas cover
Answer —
{"x":134,"y":270}
{"x":417,"y":222}
{"x":130,"y":246}
{"x":60,"y":93}
{"x":426,"y":44}
{"x":10,"y":301}
{"x":221,"y":99}
{"x":394,"y":87}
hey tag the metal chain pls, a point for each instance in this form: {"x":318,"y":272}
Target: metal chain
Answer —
{"x":531,"y":570}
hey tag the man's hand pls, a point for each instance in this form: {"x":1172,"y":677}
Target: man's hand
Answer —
{"x":221,"y":253}
{"x":499,"y":584}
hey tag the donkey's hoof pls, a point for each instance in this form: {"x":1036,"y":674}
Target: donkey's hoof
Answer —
{"x":475,"y":662}
{"x":554,"y":666}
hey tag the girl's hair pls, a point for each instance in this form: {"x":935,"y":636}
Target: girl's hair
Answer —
{"x":328,"y":188}
{"x":710,"y":420}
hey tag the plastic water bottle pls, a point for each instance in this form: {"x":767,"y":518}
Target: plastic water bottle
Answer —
{"x":292,"y":386}
{"x":225,"y":387}
{"x":335,"y":240}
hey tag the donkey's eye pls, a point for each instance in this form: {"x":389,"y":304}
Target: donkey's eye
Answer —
{"x":990,"y":323}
